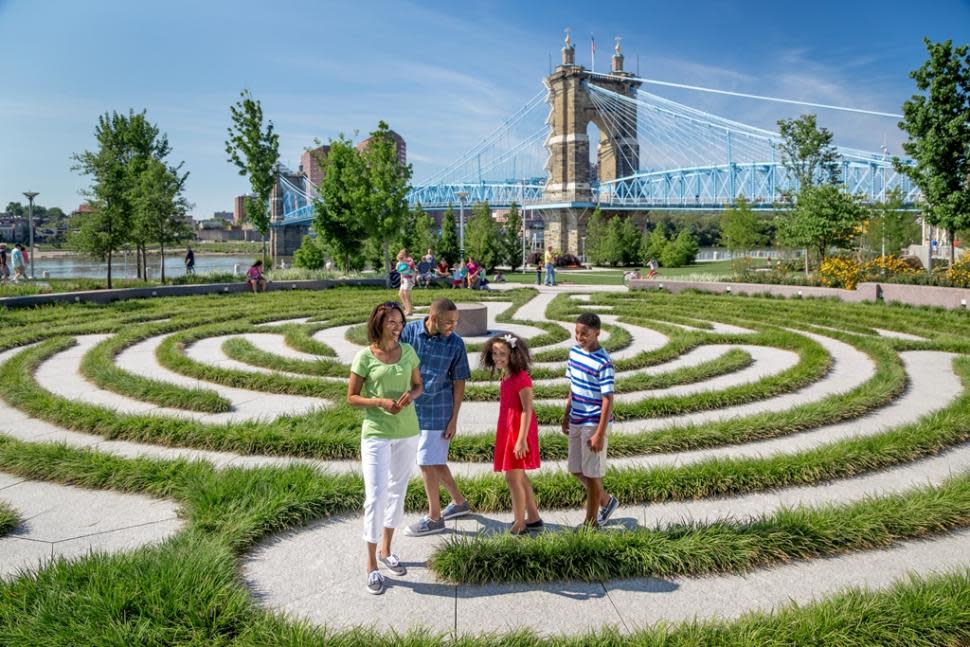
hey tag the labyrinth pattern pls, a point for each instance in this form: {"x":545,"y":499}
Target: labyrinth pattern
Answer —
{"x":764,"y":452}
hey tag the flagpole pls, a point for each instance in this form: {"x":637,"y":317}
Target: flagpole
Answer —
{"x":592,"y":53}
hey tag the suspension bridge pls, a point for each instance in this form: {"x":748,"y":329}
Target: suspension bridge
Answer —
{"x":650,"y":153}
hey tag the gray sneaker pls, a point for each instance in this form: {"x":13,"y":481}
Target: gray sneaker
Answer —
{"x":607,"y":511}
{"x":375,"y":583}
{"x":455,"y":510}
{"x":393,"y":564}
{"x":426,"y":526}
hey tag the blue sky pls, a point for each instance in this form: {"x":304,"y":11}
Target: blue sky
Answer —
{"x":442,"y":74}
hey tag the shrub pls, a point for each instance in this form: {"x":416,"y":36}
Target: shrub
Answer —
{"x":836,"y":272}
{"x":679,"y":252}
{"x":309,"y":256}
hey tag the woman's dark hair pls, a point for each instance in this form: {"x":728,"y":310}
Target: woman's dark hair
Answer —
{"x":375,"y":323}
{"x":519,"y":357}
{"x":257,"y":264}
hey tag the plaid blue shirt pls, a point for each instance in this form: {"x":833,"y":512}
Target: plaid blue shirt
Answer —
{"x":443,"y":360}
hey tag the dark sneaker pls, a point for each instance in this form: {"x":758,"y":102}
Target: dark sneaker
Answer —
{"x":426,"y":526}
{"x":607,"y":511}
{"x":535,"y":526}
{"x":375,"y":583}
{"x":455,"y":510}
{"x":393,"y":564}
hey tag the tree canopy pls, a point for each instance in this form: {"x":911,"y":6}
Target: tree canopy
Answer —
{"x":938,"y":123}
{"x":255,"y":151}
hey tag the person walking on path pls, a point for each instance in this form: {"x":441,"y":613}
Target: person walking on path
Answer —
{"x":17,"y":260}
{"x":550,"y":261}
{"x":4,"y":264}
{"x":385,"y":380}
{"x":517,"y":430}
{"x":589,"y":409}
{"x":405,"y":267}
{"x":189,"y":261}
{"x":444,"y":369}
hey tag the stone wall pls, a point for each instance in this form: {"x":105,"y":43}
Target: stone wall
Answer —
{"x":107,"y":296}
{"x":914,"y":295}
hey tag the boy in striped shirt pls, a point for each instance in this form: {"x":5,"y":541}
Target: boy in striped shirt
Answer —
{"x":589,"y":410}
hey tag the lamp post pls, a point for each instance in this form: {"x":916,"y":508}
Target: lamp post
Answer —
{"x":30,"y":195}
{"x":462,"y":196}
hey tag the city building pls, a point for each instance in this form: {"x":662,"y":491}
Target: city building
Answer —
{"x":239,"y":209}
{"x":402,"y":147}
{"x":311,"y":164}
{"x":226,"y":216}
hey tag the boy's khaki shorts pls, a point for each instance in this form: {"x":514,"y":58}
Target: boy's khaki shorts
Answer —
{"x":582,"y":459}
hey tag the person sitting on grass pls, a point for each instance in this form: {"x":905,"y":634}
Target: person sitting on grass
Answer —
{"x":442,"y":272}
{"x":255,"y":278}
{"x":499,"y":277}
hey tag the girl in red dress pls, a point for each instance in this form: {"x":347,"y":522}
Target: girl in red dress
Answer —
{"x":517,"y":432}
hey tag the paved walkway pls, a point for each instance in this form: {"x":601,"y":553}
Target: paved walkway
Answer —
{"x":317,"y":572}
{"x":63,"y":521}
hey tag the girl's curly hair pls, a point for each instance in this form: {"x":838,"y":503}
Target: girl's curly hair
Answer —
{"x":519,"y":357}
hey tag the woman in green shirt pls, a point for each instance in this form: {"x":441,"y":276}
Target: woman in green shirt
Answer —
{"x":385,"y":381}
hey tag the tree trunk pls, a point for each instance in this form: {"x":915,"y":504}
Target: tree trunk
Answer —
{"x":264,"y":249}
{"x":138,"y":261}
{"x":109,"y":269}
{"x":161,"y":252}
{"x":953,"y":247}
{"x":387,"y":265}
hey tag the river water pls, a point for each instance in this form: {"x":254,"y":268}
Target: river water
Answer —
{"x":122,"y":266}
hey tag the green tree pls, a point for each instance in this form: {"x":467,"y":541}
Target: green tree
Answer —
{"x":808,"y":154}
{"x":653,"y":245}
{"x":511,"y":239}
{"x":255,"y":152}
{"x":807,"y":151}
{"x":824,"y":217}
{"x":597,"y":229}
{"x":125,"y":145}
{"x":389,"y":181}
{"x":424,"y":235}
{"x":938,"y":124}
{"x":629,"y":240}
{"x":344,"y":193}
{"x":481,"y":237}
{"x":416,"y":233}
{"x":448,"y":240}
{"x":890,"y":228}
{"x":309,"y":255}
{"x":680,"y":251}
{"x":160,"y":206}
{"x":740,"y":230}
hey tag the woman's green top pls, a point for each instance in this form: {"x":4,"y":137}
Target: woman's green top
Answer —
{"x":388,"y":381}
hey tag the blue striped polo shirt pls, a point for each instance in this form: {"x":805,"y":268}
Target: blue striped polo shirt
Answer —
{"x":591,"y":376}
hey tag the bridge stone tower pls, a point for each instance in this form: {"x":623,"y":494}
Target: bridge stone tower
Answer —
{"x":569,"y":188}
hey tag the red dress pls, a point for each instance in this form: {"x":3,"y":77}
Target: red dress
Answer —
{"x":509,"y":423}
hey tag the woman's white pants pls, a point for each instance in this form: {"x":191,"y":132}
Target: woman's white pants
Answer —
{"x":387,"y":466}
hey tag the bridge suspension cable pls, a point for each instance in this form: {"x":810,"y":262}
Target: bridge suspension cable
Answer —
{"x":755,"y":96}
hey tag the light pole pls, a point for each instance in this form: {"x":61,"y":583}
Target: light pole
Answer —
{"x":462,"y":196}
{"x":30,"y":195}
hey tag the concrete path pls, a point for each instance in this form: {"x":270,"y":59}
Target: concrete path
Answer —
{"x":60,"y":374}
{"x":63,"y":521}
